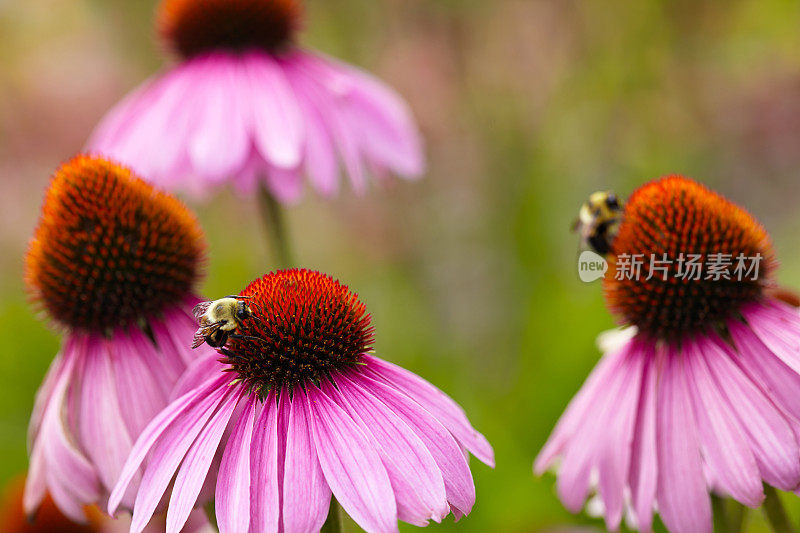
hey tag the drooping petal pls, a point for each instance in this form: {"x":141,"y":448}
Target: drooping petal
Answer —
{"x":138,"y":383}
{"x":169,"y":451}
{"x":196,"y":464}
{"x":218,"y":145}
{"x":321,"y":162}
{"x":417,"y":481}
{"x":233,"y":483}
{"x":682,"y":496}
{"x":387,"y":130}
{"x":192,"y":401}
{"x":286,"y":185}
{"x":264,"y":492}
{"x":103,"y":434}
{"x":330,"y":111}
{"x":768,"y":432}
{"x":726,"y":450}
{"x":352,"y":467}
{"x":576,"y":411}
{"x":610,"y":433}
{"x":644,"y":468}
{"x":761,"y":364}
{"x":444,"y":448}
{"x":778,"y":330}
{"x":71,"y":478}
{"x":277,"y":120}
{"x":306,"y":494}
{"x":440,"y":405}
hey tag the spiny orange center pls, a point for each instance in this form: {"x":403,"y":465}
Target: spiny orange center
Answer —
{"x":110,"y":250}
{"x":196,"y":26}
{"x":304,"y":326}
{"x":685,"y":259}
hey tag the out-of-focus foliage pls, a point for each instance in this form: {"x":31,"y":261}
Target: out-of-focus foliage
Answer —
{"x":470,"y":275}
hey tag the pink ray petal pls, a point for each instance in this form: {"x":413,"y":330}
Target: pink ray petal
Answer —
{"x":416,"y":479}
{"x":683,"y":500}
{"x":644,"y":469}
{"x":352,"y":467}
{"x":103,"y":433}
{"x":726,"y":451}
{"x":440,"y":405}
{"x":306,"y":495}
{"x":264,"y":493}
{"x":277,"y":120}
{"x":768,"y":432}
{"x":444,"y":448}
{"x":192,"y":401}
{"x":196,"y":465}
{"x":233,"y":483}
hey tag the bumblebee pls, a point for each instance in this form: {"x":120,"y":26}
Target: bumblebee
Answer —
{"x":219,"y":319}
{"x":598,"y":221}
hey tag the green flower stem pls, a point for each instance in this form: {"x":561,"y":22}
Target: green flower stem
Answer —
{"x":775,"y":513}
{"x":211,"y":514}
{"x":333,"y":524}
{"x":728,"y":515}
{"x":276,"y":226}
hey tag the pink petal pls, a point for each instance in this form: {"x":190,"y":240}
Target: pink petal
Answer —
{"x":683,"y":500}
{"x":136,"y":381}
{"x":233,"y":483}
{"x":277,"y":120}
{"x":170,"y":450}
{"x":321,"y":162}
{"x":191,"y":402}
{"x":306,"y":495}
{"x":264,"y":492}
{"x":775,"y":329}
{"x":70,"y":477}
{"x":417,"y":481}
{"x":387,"y":130}
{"x":103,"y":433}
{"x":352,"y":467}
{"x":643,"y":468}
{"x":440,"y":405}
{"x":769,"y":434}
{"x":285,"y":185}
{"x":196,"y":464}
{"x":332,"y":114}
{"x":614,"y":458}
{"x":725,"y":448}
{"x":219,"y":144}
{"x":445,"y":450}
{"x":611,"y":438}
{"x":577,"y":409}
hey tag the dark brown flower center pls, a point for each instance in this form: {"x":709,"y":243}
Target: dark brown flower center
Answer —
{"x":685,"y":259}
{"x":196,"y":26}
{"x":109,"y":249}
{"x":304,"y":325}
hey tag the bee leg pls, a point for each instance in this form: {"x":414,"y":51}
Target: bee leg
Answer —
{"x":237,"y":336}
{"x":217,"y":339}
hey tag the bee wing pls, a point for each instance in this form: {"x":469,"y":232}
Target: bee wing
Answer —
{"x":203,"y":332}
{"x":200,"y":309}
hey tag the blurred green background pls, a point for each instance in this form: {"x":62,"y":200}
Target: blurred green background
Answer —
{"x":470,"y":275}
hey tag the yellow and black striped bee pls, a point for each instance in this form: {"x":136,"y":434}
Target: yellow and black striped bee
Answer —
{"x":219,"y":319}
{"x":598,"y":221}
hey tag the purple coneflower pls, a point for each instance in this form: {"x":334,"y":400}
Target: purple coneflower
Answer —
{"x":310,"y":414}
{"x":700,"y":393}
{"x":114,"y":264}
{"x":247,"y":104}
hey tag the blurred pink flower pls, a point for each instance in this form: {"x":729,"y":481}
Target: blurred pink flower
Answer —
{"x":114,"y":263}
{"x":699,"y":394}
{"x":310,"y":414}
{"x":247,"y":105}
